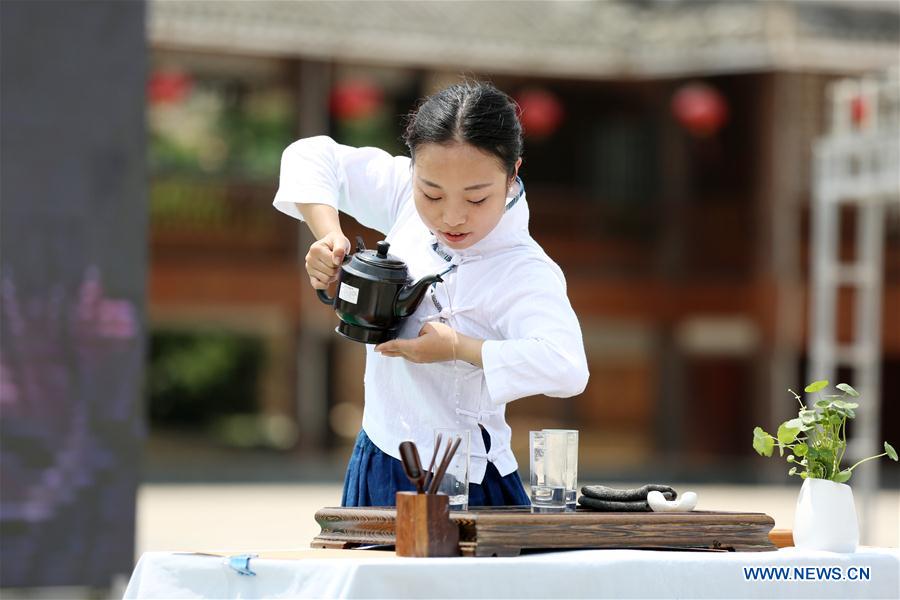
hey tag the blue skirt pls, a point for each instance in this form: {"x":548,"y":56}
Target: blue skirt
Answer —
{"x":373,"y":478}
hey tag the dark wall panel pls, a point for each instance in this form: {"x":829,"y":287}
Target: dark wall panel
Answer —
{"x":73,"y":261}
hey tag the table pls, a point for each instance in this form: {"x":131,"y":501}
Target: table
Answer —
{"x":869,"y":573}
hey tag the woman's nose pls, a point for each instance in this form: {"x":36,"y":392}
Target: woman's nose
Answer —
{"x":454,"y":218}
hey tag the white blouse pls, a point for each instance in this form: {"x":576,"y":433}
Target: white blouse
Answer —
{"x":504,"y":290}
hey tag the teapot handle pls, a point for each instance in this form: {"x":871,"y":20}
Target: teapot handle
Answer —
{"x":322,"y":294}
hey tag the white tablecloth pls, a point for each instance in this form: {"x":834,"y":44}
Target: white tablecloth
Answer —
{"x":579,"y":574}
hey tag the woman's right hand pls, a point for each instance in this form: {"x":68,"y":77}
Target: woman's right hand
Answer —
{"x":324,"y":259}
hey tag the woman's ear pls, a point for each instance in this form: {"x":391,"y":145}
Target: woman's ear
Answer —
{"x":515,"y":172}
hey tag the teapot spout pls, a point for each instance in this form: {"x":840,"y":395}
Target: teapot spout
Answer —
{"x":410,"y":296}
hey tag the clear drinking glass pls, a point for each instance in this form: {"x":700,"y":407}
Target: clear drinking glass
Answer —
{"x":455,"y":483}
{"x":571,"y":476}
{"x":550,"y":457}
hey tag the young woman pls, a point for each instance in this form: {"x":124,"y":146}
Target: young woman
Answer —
{"x":499,"y":328}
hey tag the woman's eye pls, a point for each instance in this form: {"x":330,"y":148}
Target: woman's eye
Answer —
{"x":477,"y":201}
{"x":432,"y":198}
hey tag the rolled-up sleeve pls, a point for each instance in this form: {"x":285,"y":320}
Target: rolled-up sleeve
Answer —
{"x":368,"y":184}
{"x":541,"y":350}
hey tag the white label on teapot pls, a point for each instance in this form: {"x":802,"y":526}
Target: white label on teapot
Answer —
{"x":348,"y":293}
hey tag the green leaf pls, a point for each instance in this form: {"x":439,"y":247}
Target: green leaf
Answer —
{"x":892,"y":454}
{"x":800,"y":449}
{"x":842,"y":476}
{"x":794,"y":424}
{"x":846,"y":388}
{"x":842,"y":408}
{"x":786,"y":433}
{"x":823,"y":403}
{"x":816,"y":386}
{"x":804,"y":475}
{"x":763,"y":442}
{"x":808,"y":417}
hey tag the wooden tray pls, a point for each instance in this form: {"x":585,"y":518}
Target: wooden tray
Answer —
{"x":507,"y":531}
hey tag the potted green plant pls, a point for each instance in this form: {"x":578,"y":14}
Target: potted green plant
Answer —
{"x":825,"y":518}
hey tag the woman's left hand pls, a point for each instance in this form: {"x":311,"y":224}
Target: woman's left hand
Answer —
{"x":437,"y":342}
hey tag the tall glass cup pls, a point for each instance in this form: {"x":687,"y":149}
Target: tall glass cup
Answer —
{"x":571,"y":476}
{"x":554,"y":469}
{"x":455,"y":483}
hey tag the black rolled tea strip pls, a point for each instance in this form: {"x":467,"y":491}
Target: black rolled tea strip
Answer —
{"x":613,"y":506}
{"x":602,"y":492}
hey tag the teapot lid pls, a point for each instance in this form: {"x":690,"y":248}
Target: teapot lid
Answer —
{"x":379,"y":263}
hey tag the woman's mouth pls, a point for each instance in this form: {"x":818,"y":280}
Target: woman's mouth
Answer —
{"x":454,"y":237}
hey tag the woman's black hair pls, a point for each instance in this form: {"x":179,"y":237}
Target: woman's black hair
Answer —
{"x":476,"y":113}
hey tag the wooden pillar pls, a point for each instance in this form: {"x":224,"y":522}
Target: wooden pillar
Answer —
{"x":670,"y":253}
{"x":788,"y":115}
{"x":313,"y":343}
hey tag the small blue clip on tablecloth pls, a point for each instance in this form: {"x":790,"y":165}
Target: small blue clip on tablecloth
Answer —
{"x":241,"y":563}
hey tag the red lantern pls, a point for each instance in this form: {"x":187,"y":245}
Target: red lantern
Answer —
{"x":541,"y":112}
{"x":355,"y":99}
{"x":700,"y":109}
{"x":859,"y":111}
{"x":168,"y":86}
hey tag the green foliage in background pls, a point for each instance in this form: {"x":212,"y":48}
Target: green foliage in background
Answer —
{"x":379,"y":130}
{"x":195,"y":377}
{"x":817,"y":437}
{"x":222,"y":128}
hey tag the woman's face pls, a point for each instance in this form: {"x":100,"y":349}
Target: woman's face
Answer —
{"x":460,"y":192}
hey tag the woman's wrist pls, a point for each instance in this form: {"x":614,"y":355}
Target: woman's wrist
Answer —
{"x":469,"y":349}
{"x":322,"y":219}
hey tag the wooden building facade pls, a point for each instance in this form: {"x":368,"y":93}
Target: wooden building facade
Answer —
{"x":685,"y":250}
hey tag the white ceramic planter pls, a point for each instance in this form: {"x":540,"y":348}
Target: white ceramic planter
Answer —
{"x":825,"y":518}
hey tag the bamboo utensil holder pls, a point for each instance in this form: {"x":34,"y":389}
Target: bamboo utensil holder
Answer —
{"x":424,"y":527}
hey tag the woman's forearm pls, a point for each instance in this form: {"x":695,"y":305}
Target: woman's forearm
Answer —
{"x":469,"y":349}
{"x":322,"y":219}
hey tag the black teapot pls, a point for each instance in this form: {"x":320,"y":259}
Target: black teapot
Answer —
{"x":375,"y":294}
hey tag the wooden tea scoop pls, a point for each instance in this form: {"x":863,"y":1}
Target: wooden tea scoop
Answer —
{"x":445,"y":462}
{"x":429,"y":473}
{"x":409,"y":456}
